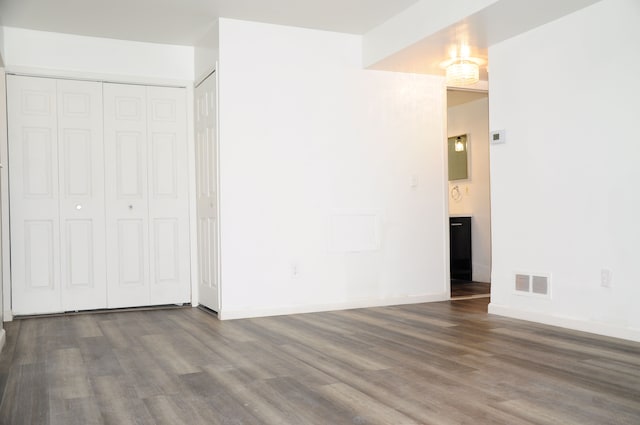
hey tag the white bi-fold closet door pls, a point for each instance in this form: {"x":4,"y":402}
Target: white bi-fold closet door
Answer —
{"x":98,"y":208}
{"x":56,"y":195}
{"x":147,"y":195}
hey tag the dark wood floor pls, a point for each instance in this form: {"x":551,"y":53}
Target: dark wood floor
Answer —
{"x":466,"y":289}
{"x":440,"y":363}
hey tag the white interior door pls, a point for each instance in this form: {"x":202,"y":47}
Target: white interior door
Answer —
{"x":207,"y":192}
{"x":81,"y":177}
{"x":127,"y":214}
{"x":33,"y":176}
{"x":170,"y":274}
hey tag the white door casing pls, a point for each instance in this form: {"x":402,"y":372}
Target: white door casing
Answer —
{"x":33,"y":175}
{"x":207,"y":192}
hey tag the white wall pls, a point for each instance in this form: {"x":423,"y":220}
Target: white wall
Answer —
{"x":92,"y":55}
{"x":2,"y":46}
{"x":564,"y":187}
{"x":3,"y":188}
{"x":206,"y":53}
{"x":317,"y":159}
{"x":472,"y":119}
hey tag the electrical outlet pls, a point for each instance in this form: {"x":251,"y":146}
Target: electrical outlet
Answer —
{"x":606,"y":276}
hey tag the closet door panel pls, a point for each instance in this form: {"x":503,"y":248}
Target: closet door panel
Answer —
{"x":81,"y":176}
{"x":168,"y":196}
{"x":33,"y":180}
{"x":126,"y":195}
{"x":206,"y":192}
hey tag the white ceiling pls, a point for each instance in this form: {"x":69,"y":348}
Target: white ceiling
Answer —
{"x":184,"y":21}
{"x":500,"y":21}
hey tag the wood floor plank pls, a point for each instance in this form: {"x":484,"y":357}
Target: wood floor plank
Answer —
{"x":118,"y":401}
{"x":75,"y":411}
{"x":441,"y":363}
{"x":221,"y":409}
{"x":170,"y":410}
{"x":98,"y":353}
{"x":364,"y":409}
{"x":149,"y":377}
{"x":29,"y":400}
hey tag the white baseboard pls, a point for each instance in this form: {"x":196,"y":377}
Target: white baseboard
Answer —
{"x":365,"y":303}
{"x":566,"y":322}
{"x":3,"y":339}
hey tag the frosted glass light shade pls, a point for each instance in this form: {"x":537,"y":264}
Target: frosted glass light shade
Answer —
{"x":463,"y":73}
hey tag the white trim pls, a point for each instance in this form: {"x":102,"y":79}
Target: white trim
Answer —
{"x":482,"y":86}
{"x":3,"y":339}
{"x":7,"y":315}
{"x":216,"y":71}
{"x":445,"y":190}
{"x":191,"y":172}
{"x":250,"y":312}
{"x":204,"y":76}
{"x":566,"y":322}
{"x":92,"y":76}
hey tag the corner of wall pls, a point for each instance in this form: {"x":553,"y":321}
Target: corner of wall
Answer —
{"x":206,"y":52}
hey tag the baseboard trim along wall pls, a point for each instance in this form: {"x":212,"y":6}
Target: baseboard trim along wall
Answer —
{"x":364,"y":303}
{"x":566,"y":322}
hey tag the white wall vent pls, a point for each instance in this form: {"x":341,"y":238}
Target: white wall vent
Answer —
{"x":540,"y":285}
{"x":522,"y":282}
{"x":534,"y":284}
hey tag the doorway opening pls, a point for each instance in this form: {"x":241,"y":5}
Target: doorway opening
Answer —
{"x":469,"y":193}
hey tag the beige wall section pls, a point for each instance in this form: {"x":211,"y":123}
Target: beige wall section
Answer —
{"x":472,"y":119}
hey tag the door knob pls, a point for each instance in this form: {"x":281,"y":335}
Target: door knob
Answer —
{"x":130,"y":207}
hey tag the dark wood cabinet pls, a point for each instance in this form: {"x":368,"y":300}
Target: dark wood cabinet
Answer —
{"x":460,"y":248}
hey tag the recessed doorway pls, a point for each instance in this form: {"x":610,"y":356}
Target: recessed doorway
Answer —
{"x":469,"y":193}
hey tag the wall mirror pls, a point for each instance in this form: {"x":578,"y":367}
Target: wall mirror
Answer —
{"x":458,"y":157}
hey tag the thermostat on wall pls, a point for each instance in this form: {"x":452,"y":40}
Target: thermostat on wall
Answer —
{"x":497,"y":137}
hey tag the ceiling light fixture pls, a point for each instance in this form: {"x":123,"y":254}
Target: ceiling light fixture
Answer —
{"x":462,"y":70}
